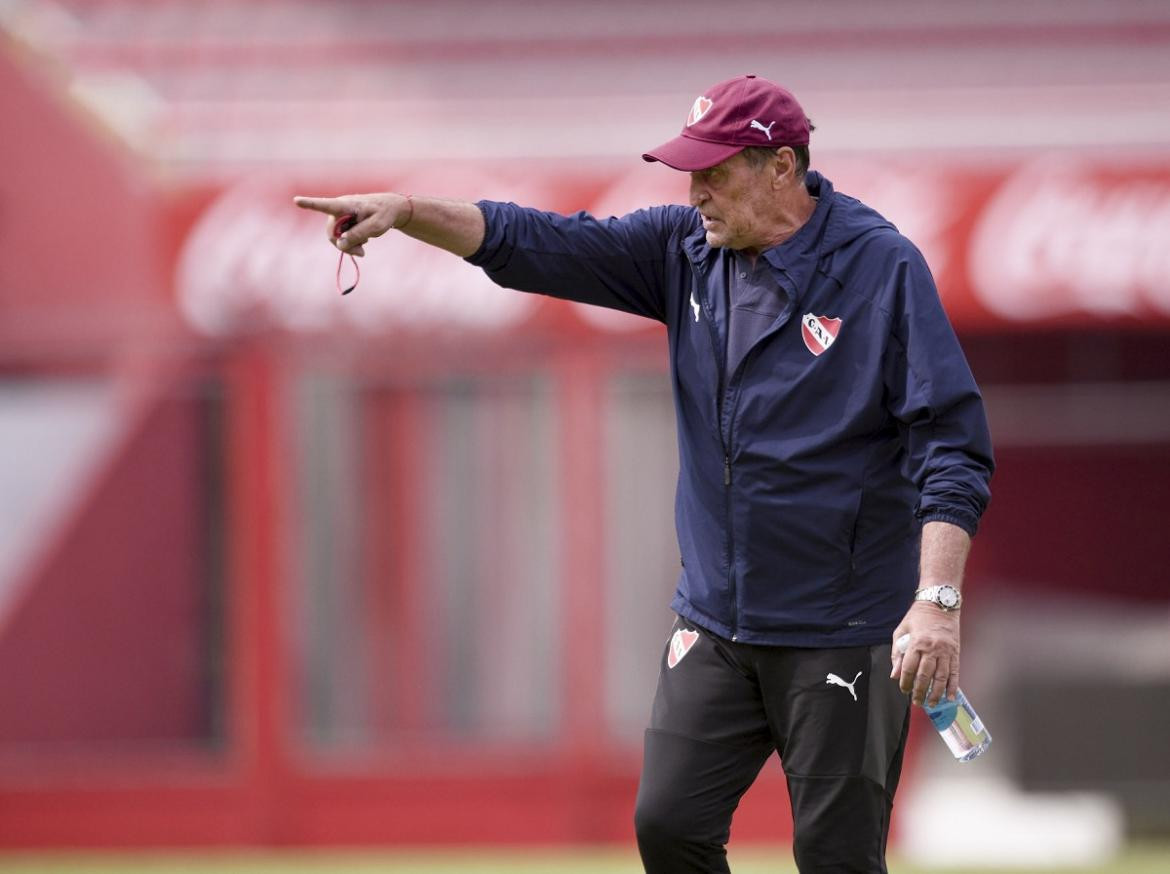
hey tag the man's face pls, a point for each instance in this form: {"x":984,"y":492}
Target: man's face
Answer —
{"x":733,"y":198}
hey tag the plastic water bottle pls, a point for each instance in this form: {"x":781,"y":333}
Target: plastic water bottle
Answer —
{"x":956,"y":722}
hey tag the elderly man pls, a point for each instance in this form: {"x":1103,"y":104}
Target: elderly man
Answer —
{"x":834,"y":464}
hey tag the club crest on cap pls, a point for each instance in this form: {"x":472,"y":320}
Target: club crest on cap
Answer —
{"x":699,"y":108}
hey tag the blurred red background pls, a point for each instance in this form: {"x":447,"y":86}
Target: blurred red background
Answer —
{"x":282,"y":567}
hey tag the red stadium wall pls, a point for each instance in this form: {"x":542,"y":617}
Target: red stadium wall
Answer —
{"x":1109,"y":531}
{"x":103,"y":642}
{"x":81,"y":235}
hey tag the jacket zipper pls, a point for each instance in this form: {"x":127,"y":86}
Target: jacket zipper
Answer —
{"x":731,"y":586}
{"x":731,"y":580}
{"x":726,"y":441}
{"x":721,"y":365}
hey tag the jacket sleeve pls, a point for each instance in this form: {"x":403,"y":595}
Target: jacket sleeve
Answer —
{"x":931,"y":392}
{"x":614,"y":262}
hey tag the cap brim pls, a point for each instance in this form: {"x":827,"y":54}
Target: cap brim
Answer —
{"x":685,"y":153}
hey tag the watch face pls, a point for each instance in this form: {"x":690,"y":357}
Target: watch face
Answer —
{"x":948,"y":596}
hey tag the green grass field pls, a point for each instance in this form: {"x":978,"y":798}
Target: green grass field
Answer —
{"x":1137,"y":860}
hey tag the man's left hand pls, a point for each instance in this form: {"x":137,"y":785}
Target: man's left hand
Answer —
{"x":929,"y":668}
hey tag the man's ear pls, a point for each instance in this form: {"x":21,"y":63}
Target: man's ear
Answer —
{"x":783,"y":167}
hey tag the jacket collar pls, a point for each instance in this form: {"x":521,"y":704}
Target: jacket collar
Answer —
{"x":798,"y":255}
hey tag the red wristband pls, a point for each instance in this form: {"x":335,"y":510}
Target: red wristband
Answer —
{"x":409,"y":215}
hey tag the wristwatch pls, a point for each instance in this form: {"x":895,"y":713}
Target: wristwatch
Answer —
{"x":946,"y":597}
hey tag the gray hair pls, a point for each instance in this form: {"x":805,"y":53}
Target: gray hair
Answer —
{"x":759,"y":156}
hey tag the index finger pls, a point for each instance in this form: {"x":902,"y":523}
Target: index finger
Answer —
{"x":330,"y":205}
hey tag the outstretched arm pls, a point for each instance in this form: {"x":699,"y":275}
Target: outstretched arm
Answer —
{"x":454,"y":225}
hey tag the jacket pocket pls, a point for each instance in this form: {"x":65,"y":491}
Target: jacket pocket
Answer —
{"x":796,"y":566}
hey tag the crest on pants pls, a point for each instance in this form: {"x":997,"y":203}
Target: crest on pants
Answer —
{"x":680,"y":644}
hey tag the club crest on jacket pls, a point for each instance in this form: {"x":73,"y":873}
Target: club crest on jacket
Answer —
{"x":818,"y":332}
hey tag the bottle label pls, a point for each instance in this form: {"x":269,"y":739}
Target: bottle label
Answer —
{"x":959,"y":727}
{"x":942,"y":715}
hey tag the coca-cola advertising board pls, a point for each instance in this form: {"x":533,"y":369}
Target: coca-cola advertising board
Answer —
{"x":1052,"y":241}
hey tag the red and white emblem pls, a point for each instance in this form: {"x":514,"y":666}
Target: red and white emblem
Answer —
{"x":680,"y":644}
{"x":818,"y":332}
{"x":700,"y":108}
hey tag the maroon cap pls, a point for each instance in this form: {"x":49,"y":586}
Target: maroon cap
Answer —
{"x":741,"y":112}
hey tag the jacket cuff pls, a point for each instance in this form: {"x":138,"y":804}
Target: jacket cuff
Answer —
{"x":968,"y":523}
{"x":492,"y":236}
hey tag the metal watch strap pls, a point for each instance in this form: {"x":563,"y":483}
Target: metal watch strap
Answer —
{"x":934,"y":595}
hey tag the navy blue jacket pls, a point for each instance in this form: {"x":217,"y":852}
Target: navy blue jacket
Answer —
{"x":805,"y":474}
